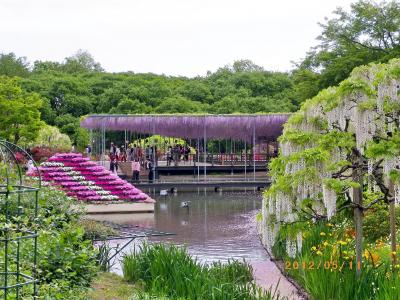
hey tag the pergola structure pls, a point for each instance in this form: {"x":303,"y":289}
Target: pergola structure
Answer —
{"x":242,"y":127}
{"x":239,"y":127}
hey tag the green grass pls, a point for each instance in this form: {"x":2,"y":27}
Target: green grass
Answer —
{"x":108,"y":286}
{"x":170,"y":271}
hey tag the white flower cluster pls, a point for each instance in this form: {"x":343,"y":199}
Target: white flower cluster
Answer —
{"x":103,"y":192}
{"x":78,"y":178}
{"x":351,"y":113}
{"x":87,"y":182}
{"x":94,"y":187}
{"x":72,"y":173}
{"x":52,"y":164}
{"x":109,"y":197}
{"x":329,"y":198}
{"x":397,"y":194}
{"x":66,"y":169}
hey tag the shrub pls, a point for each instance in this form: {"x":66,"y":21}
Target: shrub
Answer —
{"x":66,"y":260}
{"x":96,"y":230}
{"x":170,"y":271}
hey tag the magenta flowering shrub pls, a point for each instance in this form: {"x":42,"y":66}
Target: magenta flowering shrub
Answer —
{"x":85,"y":180}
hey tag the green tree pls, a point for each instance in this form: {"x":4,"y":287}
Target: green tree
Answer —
{"x":369,"y":32}
{"x":129,"y":106}
{"x":81,"y":61}
{"x":50,"y":136}
{"x":20,"y":115}
{"x":179,"y":105}
{"x":340,"y":152}
{"x":10,"y":65}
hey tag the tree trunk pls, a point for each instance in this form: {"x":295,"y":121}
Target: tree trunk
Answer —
{"x":392,"y":216}
{"x":358,"y":213}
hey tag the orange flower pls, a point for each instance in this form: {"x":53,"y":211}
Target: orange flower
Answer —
{"x":373,"y":257}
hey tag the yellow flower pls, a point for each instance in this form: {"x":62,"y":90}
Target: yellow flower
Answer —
{"x":330,"y":225}
{"x":319,"y":253}
{"x":325,"y":243}
{"x":344,"y":252}
{"x":342,"y":243}
{"x":394,"y":253}
{"x":346,"y":258}
{"x":348,"y":240}
{"x":330,"y":234}
{"x":313,"y":248}
{"x":322,"y":233}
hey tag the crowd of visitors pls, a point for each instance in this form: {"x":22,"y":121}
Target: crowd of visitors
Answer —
{"x":145,"y":157}
{"x":177,"y":153}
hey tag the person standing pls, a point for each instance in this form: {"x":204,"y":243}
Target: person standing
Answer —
{"x":133,"y":152}
{"x":112,"y":162}
{"x":88,"y":150}
{"x":113,"y":149}
{"x":150,"y":167}
{"x":169,"y":156}
{"x":135,"y":170}
{"x":122,"y":155}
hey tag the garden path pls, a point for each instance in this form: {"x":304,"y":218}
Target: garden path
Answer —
{"x":267,"y":275}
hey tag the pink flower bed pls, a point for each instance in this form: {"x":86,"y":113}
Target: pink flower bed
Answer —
{"x":85,"y":180}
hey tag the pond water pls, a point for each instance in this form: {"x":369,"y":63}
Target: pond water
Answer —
{"x":214,"y":226}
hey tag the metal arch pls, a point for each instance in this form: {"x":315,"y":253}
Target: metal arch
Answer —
{"x":14,"y":274}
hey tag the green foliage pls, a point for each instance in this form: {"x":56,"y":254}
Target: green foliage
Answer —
{"x":178,"y":105}
{"x":20,"y":116}
{"x":367,"y":33}
{"x":78,"y":86}
{"x":51,"y":137}
{"x":12,"y":66}
{"x":95,"y":229}
{"x":66,"y":262}
{"x":376,"y":223}
{"x":326,"y":269}
{"x":170,"y":271}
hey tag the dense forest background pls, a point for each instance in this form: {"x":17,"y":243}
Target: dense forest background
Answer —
{"x":77,"y":86}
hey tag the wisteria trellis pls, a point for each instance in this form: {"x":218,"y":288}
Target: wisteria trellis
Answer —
{"x":239,"y":127}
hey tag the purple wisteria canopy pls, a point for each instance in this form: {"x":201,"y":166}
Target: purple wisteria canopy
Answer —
{"x":238,"y":127}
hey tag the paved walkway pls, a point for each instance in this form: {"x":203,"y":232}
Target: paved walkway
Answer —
{"x":267,"y":275}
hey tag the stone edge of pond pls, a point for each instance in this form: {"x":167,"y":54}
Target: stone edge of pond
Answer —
{"x":301,"y":292}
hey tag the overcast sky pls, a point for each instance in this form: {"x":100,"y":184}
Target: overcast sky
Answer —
{"x":173,"y":37}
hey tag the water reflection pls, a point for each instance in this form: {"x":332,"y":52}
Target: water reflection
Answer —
{"x":214,"y":226}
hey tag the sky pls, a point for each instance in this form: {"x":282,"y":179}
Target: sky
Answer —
{"x":172,"y":37}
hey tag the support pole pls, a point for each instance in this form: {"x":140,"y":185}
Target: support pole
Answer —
{"x":205,"y":150}
{"x":125,"y":139}
{"x":198,"y":159}
{"x":103,"y":143}
{"x":254,"y":149}
{"x":245,"y":160}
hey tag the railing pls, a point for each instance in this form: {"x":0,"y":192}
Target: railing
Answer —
{"x":219,"y":158}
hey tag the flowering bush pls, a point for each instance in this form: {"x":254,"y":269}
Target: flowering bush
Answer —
{"x":42,"y":153}
{"x":86,"y":180}
{"x":326,"y":264}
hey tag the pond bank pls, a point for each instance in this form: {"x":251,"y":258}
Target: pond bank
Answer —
{"x":215,"y":227}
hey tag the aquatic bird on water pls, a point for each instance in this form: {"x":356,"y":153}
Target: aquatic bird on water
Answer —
{"x":185,"y":204}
